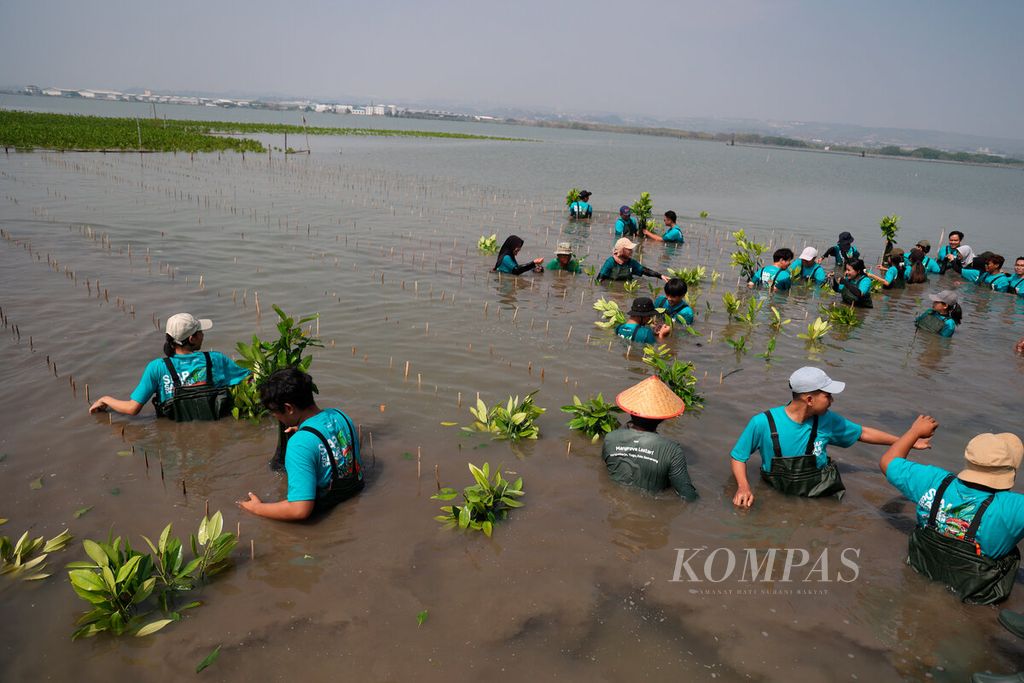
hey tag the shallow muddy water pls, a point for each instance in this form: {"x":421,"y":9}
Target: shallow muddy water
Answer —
{"x":577,"y":585}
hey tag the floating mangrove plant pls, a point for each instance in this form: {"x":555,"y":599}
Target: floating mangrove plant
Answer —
{"x":488,"y":244}
{"x":693,"y":277}
{"x":677,"y":375}
{"x":120,"y":582}
{"x":817,"y":329}
{"x":594,"y":417}
{"x":630,"y":286}
{"x":510,"y":422}
{"x":747,"y":256}
{"x":841,"y":315}
{"x":485,"y":503}
{"x":25,"y":558}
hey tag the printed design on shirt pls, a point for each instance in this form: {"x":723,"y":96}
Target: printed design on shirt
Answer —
{"x":819,"y":446}
{"x":342,"y":453}
{"x":767,"y":278}
{"x":188,"y":378}
{"x":633,"y":452}
{"x":951,"y":520}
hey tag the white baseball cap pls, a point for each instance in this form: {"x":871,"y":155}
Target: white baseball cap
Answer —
{"x":181,"y":326}
{"x":808,"y":254}
{"x":624,"y":243}
{"x":809,"y":378}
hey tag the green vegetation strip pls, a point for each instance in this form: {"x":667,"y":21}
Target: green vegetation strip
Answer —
{"x":31,"y":130}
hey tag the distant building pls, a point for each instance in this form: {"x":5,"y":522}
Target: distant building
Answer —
{"x":32,"y":90}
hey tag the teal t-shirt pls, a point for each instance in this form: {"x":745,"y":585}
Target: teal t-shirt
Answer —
{"x":644,"y":334}
{"x":863,"y":283}
{"x":999,"y":282}
{"x":1001,"y":528}
{"x":630,"y":230}
{"x":931,"y":265}
{"x":508,"y":264}
{"x":772,"y":276}
{"x":191,"y":369}
{"x":681,"y":312}
{"x":815,"y":273}
{"x":581,"y":209}
{"x":833,"y":429}
{"x":307,"y":462}
{"x":1016,"y":285}
{"x":948,"y":324}
{"x":673,"y":234}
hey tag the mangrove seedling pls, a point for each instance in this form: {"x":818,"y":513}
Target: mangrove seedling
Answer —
{"x":691,"y":276}
{"x":738,"y":345}
{"x":216,"y":545}
{"x":732,"y":305}
{"x":747,"y":256}
{"x":512,"y":422}
{"x":590,"y":271}
{"x":677,"y":375}
{"x":488,"y":244}
{"x":612,"y":316}
{"x":630,"y":286}
{"x":485,"y":503}
{"x":703,"y":214}
{"x":889,"y":225}
{"x":777,"y":322}
{"x":754,"y":305}
{"x":572,"y":196}
{"x":817,"y":329}
{"x":26,"y":558}
{"x":593,"y":417}
{"x":841,"y":315}
{"x":642,"y":209}
{"x":769,"y":350}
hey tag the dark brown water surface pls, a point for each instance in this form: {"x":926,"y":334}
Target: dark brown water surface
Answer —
{"x":574,"y":586}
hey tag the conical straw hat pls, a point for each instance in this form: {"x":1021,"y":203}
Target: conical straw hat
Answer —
{"x":651,"y":399}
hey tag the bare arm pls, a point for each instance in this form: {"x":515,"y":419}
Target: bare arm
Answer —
{"x":653,"y":235}
{"x":880,"y":438}
{"x":744,"y":497}
{"x":126,"y":407}
{"x":288,"y":511}
{"x":922,"y":429}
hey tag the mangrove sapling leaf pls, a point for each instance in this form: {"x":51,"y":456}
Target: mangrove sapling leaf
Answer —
{"x":889,"y":225}
{"x":642,"y":209}
{"x":209,"y":659}
{"x":486,"y":502}
{"x":754,"y":305}
{"x":677,"y":375}
{"x":590,"y":272}
{"x":594,"y":417}
{"x":747,"y":256}
{"x":703,"y":214}
{"x":572,"y":195}
{"x":738,"y":345}
{"x":36,"y":484}
{"x":612,"y":316}
{"x":777,"y":322}
{"x":841,"y":315}
{"x":488,"y":244}
{"x":81,"y":511}
{"x":691,"y":276}
{"x":817,"y":329}
{"x":731,"y":303}
{"x":630,"y":286}
{"x":25,"y":558}
{"x":152,"y":627}
{"x":769,"y":350}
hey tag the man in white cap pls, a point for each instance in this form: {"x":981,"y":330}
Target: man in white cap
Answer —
{"x":185,"y":384}
{"x":793,"y":438}
{"x":636,"y":455}
{"x":807,"y":268}
{"x":622,"y":266}
{"x":968,"y":525}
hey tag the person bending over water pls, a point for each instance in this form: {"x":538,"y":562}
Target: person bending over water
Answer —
{"x":774,"y":278}
{"x":944,"y":315}
{"x":807,"y":268}
{"x":672,"y":231}
{"x":321,"y":461}
{"x":793,"y":438}
{"x":636,"y":455}
{"x":895,"y":268}
{"x":185,"y":384}
{"x":673,"y":302}
{"x":969,"y":524}
{"x":507,"y":263}
{"x":622,"y":266}
{"x":855,"y":287}
{"x":637,"y":327}
{"x":842,"y":251}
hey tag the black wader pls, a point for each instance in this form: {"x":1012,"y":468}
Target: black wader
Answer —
{"x":197,"y":402}
{"x":959,"y":564}
{"x":800,"y":475}
{"x":341,"y":488}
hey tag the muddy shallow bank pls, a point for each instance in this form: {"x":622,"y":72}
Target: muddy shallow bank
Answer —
{"x":577,"y":585}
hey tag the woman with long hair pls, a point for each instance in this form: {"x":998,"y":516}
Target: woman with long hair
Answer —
{"x":506,"y":262}
{"x":855,"y":285}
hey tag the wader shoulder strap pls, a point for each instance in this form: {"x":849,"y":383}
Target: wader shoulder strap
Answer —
{"x":777,"y":447}
{"x":209,"y":367}
{"x":174,"y":373}
{"x":937,"y":502}
{"x":330,"y":451}
{"x":636,"y":330}
{"x":355,"y":438}
{"x":995,"y":280}
{"x":976,"y":522}
{"x":776,"y":278}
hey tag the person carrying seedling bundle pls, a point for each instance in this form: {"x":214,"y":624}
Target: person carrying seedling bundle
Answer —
{"x":855,"y":286}
{"x":930,"y":264}
{"x":626,"y":225}
{"x":185,"y":384}
{"x":581,"y":208}
{"x":622,"y":266}
{"x":793,"y":438}
{"x":636,"y":455}
{"x":774,"y":278}
{"x":944,"y":315}
{"x":896,"y":271}
{"x":992,"y":277}
{"x":968,"y":524}
{"x":807,"y":268}
{"x":673,"y":302}
{"x":564,"y":259}
{"x":843,"y":251}
{"x":672,"y":232}
{"x":322,"y":460}
{"x":637,"y":328}
{"x":506,"y":262}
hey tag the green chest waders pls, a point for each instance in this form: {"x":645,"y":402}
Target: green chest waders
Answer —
{"x":197,"y":402}
{"x":800,"y":475}
{"x":341,"y":488}
{"x":852,"y":295}
{"x":621,"y":271}
{"x":959,"y":564}
{"x":931,"y":321}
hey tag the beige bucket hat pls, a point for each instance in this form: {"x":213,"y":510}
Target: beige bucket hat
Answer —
{"x":993,"y":460}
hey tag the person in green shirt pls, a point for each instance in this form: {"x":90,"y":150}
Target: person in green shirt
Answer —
{"x":636,"y":455}
{"x":564,"y":259}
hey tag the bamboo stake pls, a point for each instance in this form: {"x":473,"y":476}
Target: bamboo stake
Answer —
{"x":418,"y":462}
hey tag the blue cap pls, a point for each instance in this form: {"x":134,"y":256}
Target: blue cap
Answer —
{"x":625,"y":210}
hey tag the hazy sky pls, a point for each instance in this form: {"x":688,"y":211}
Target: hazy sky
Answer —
{"x":931,"y":64}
